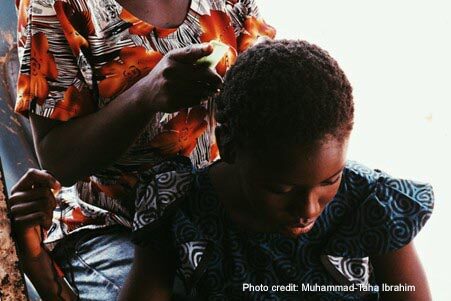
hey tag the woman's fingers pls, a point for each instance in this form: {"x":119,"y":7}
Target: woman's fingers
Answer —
{"x":30,"y":220}
{"x":184,"y":68}
{"x":39,"y":217}
{"x":32,"y":195}
{"x":42,"y":205}
{"x":36,"y":178}
{"x":195,"y":81}
{"x":190,"y":54}
{"x":38,"y":200}
{"x":208,"y":76}
{"x":200,"y":91}
{"x":180,"y":82}
{"x":184,"y":73}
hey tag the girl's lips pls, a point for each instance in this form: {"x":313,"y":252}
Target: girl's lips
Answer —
{"x":304,"y":227}
{"x":298,"y":229}
{"x":304,"y":224}
{"x":296,"y":232}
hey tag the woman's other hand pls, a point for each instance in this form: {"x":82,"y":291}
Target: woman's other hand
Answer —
{"x":32,"y":203}
{"x":177,"y":82}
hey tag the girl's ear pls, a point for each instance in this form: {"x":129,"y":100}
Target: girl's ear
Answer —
{"x":225,"y":144}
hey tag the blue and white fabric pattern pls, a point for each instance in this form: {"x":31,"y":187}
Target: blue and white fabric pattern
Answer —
{"x":371,"y":214}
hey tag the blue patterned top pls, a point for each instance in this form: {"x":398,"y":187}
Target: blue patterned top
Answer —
{"x":371,"y":214}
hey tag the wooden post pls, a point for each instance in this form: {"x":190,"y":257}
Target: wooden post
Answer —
{"x":12,"y":284}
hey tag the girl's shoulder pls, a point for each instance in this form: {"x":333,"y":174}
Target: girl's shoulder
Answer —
{"x":360,"y":178}
{"x":375,"y":213}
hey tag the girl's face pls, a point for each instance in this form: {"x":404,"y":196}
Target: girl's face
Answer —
{"x":289,"y":188}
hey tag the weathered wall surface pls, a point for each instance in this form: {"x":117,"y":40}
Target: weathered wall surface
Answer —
{"x":12,"y":286}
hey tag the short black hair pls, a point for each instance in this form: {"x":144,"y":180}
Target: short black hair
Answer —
{"x":285,"y":91}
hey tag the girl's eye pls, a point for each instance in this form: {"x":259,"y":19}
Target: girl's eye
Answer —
{"x":331,"y":182}
{"x":279,"y":189}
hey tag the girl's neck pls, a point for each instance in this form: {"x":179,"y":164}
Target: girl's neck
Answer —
{"x":159,"y":13}
{"x":224,"y":180}
{"x":226,"y":183}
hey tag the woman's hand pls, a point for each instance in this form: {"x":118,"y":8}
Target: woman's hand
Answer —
{"x":32,"y":203}
{"x":177,"y":82}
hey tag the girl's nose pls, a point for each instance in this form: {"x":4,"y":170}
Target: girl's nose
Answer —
{"x":308,"y":207}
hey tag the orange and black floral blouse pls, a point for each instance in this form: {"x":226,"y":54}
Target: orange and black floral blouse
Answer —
{"x":78,"y":55}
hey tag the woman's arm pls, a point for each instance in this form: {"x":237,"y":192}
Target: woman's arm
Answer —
{"x":32,"y":204}
{"x":402,"y":267}
{"x":77,"y":148}
{"x":48,"y":282}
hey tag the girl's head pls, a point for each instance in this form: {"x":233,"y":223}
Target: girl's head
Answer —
{"x":286,"y":113}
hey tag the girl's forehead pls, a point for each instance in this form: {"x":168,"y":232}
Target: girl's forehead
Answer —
{"x":298,"y":164}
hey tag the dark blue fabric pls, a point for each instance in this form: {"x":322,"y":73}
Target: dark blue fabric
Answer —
{"x":372,"y":213}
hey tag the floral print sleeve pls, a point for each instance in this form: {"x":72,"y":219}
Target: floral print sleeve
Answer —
{"x":254,"y":27}
{"x":53,"y":79}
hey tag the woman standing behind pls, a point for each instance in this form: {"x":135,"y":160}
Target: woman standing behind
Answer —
{"x":96,"y":79}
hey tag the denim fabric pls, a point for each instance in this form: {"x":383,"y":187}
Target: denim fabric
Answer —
{"x":99,"y":261}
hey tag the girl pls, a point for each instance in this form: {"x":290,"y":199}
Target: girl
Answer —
{"x":283,"y":215}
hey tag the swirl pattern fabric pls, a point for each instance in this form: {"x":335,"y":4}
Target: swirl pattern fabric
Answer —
{"x":371,"y":214}
{"x":350,"y":270}
{"x":158,"y":189}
